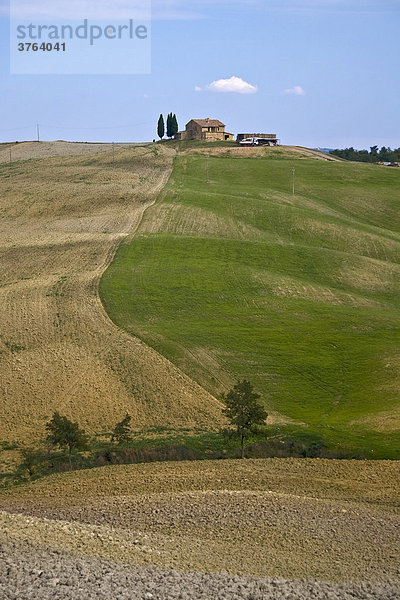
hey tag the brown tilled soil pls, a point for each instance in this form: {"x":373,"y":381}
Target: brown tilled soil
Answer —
{"x":33,"y":572}
{"x":61,"y":220}
{"x":310,"y":520}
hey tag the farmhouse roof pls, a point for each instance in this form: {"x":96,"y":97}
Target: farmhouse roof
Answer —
{"x":208,"y":122}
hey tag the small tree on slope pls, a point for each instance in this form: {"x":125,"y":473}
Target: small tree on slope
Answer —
{"x":243,"y":409}
{"x":122,"y":430}
{"x":64,"y":433}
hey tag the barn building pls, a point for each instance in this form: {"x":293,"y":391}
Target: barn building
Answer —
{"x":269,"y":139}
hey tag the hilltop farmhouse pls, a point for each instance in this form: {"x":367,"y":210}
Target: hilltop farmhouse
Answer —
{"x":208,"y":129}
{"x":212,"y":130}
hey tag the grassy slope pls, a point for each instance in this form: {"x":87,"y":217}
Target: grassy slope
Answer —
{"x":238,"y":278}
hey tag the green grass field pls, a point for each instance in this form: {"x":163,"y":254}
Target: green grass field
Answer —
{"x":300,"y":294}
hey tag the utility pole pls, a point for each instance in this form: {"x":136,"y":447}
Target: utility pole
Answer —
{"x":293,"y":172}
{"x":38,"y":132}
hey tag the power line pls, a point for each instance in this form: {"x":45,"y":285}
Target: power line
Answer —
{"x":96,"y":128}
{"x":79,"y":128}
{"x":17,"y":128}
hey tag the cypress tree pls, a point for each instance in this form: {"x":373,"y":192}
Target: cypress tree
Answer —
{"x":175,"y":127}
{"x":161,"y":127}
{"x":169,"y":125}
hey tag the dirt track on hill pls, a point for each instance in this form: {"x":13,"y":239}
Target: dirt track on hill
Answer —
{"x":61,"y":220}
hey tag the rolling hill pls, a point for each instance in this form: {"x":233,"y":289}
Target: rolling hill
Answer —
{"x":237,"y":277}
{"x":212,"y":280}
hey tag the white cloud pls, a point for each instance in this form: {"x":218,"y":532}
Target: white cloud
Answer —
{"x":296,"y":90}
{"x":234,"y":85}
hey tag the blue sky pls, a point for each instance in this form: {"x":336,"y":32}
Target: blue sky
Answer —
{"x":316,"y":72}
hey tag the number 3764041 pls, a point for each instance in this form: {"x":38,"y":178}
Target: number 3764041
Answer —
{"x":44,"y":47}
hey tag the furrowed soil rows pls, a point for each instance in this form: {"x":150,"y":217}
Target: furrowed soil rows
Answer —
{"x":61,"y":220}
{"x":307,"y":521}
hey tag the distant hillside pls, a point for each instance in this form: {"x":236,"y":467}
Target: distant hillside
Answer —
{"x":373,"y":156}
{"x":325,"y":150}
{"x":299,"y":293}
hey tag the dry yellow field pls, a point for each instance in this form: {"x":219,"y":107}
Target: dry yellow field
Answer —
{"x":62,"y":216}
{"x":32,"y":150}
{"x":259,"y":151}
